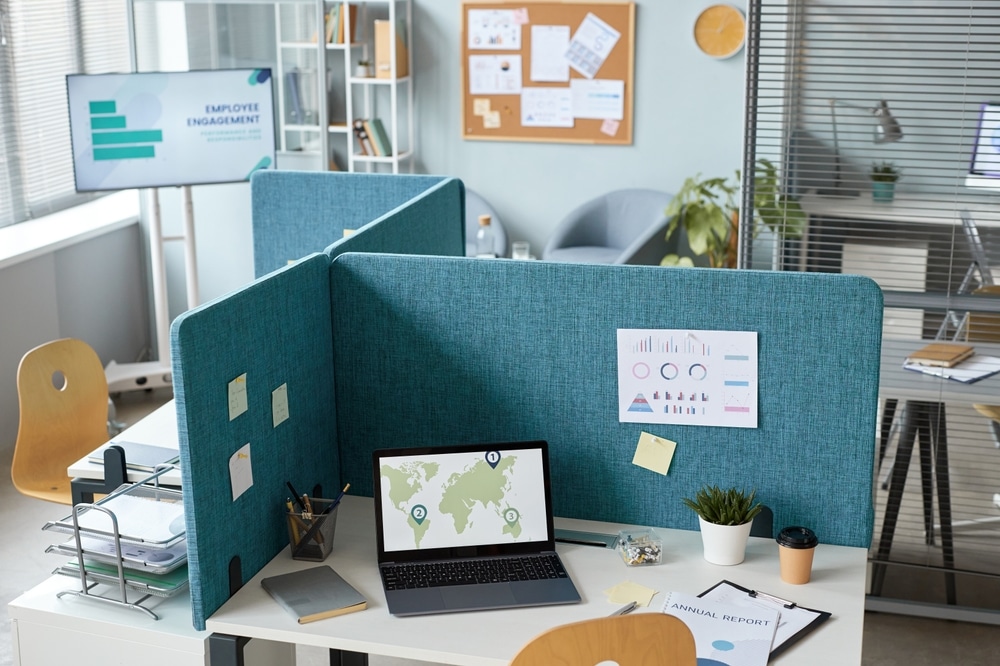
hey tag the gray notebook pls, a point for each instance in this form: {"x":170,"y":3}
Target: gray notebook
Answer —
{"x":314,"y":594}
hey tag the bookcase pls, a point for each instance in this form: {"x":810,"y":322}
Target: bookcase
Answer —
{"x":340,"y":65}
{"x":313,"y":48}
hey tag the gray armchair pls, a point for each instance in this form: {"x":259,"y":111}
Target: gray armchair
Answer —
{"x":620,"y":227}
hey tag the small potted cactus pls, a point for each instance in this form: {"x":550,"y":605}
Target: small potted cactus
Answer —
{"x":725,"y":517}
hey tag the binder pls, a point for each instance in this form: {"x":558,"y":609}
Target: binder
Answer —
{"x":795,"y":621}
{"x":383,"y":61}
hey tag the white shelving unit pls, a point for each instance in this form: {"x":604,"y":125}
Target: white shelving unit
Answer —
{"x":317,"y":85}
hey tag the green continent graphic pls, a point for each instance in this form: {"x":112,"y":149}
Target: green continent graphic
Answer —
{"x":418,"y":530}
{"x":480,"y":483}
{"x":407,"y":480}
{"x":513,"y":530}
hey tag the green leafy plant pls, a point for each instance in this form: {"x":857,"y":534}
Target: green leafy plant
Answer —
{"x":724,"y":507}
{"x":706,"y":209}
{"x":885,"y":172}
{"x":779,"y":212}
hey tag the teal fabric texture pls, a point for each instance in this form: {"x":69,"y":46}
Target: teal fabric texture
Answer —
{"x":377,"y":347}
{"x":295,"y":213}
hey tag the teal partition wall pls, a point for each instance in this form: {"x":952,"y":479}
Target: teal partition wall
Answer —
{"x":435,"y":350}
{"x":271,"y":334}
{"x":295,"y":213}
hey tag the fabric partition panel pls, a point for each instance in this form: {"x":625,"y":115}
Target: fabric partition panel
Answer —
{"x":440,"y":350}
{"x":296,"y":213}
{"x":431,"y":223}
{"x":233,"y":359}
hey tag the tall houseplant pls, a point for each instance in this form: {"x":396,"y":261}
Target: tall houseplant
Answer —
{"x":706,"y":210}
{"x":725,"y":518}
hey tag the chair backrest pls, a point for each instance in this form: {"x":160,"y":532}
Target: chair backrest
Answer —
{"x":640,"y":639}
{"x":62,"y":395}
{"x":632,"y":213}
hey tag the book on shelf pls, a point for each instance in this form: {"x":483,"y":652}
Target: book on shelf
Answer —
{"x":381,"y":137}
{"x":332,"y":19}
{"x":730,"y":634}
{"x":364,"y":141}
{"x":314,"y":594}
{"x":941,"y":354}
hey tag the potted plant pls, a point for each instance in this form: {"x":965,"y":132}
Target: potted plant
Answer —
{"x":884,"y":176}
{"x":707,"y":211}
{"x":363,"y":70}
{"x":725,"y":517}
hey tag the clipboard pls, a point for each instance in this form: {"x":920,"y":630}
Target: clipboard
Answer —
{"x":793,"y":624}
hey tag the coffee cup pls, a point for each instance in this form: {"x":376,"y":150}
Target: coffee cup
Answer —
{"x":796,"y":546}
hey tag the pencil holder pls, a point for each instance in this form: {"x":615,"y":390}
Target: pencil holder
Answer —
{"x":311,"y":534}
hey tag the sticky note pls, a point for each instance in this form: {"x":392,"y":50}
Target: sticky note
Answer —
{"x":654,"y":453}
{"x":240,"y":471}
{"x":237,"y":396}
{"x":520,"y":15}
{"x":480,"y":106}
{"x":491,"y":120}
{"x":609,"y":126}
{"x":279,"y":405}
{"x":623,"y":593}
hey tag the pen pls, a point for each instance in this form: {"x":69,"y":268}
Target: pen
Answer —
{"x":627,"y":608}
{"x":294,"y":522}
{"x":295,"y":495}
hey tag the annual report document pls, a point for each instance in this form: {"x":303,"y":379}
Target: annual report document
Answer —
{"x":725,"y":633}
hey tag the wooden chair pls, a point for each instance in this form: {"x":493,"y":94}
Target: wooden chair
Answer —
{"x":63,"y":408}
{"x":640,"y":639}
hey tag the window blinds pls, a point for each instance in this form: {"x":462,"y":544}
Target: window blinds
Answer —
{"x":837,"y":93}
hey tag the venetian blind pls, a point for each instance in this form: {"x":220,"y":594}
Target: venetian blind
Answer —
{"x":43,"y":41}
{"x":838,"y":91}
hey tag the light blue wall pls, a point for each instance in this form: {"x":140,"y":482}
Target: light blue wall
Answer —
{"x":688,"y":119}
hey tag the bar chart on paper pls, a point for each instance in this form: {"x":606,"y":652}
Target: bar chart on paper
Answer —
{"x":687,"y":377}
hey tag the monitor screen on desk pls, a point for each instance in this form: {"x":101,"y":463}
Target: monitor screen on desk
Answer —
{"x":162,"y":129}
{"x":986,"y":151}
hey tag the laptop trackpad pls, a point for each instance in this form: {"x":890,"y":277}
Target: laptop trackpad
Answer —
{"x":491,"y":595}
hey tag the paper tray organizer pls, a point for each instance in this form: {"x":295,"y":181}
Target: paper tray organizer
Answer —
{"x":133,"y":539}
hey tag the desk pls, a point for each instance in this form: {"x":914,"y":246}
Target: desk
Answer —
{"x":905,"y":208}
{"x":491,"y":638}
{"x":159,"y":428}
{"x":924,"y":397}
{"x":47,"y":630}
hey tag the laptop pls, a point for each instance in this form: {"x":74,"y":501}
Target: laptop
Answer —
{"x":467,"y":527}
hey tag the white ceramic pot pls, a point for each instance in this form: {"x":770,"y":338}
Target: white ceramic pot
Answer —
{"x":724,"y":544}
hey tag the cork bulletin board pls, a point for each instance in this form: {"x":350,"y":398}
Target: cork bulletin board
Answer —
{"x":548,"y":71}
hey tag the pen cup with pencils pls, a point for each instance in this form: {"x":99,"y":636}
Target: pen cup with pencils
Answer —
{"x":311,"y":529}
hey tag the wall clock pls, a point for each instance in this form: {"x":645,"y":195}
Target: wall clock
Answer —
{"x":719,"y":31}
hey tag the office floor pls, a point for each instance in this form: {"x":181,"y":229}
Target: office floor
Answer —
{"x":888,"y":639}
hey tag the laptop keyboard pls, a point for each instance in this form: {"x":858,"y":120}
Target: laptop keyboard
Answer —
{"x":471,"y":572}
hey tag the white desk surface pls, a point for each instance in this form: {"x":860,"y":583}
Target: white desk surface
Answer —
{"x":906,"y":208}
{"x":159,"y":428}
{"x":491,"y":638}
{"x":895,"y":382}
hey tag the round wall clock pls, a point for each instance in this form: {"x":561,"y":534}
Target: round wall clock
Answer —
{"x":719,"y":31}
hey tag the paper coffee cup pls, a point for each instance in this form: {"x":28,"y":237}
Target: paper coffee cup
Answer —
{"x":796,"y":546}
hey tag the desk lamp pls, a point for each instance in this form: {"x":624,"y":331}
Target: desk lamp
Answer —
{"x":887,"y":130}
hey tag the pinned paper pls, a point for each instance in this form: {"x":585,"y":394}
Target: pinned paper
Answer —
{"x":610,"y":127}
{"x":627,"y":592}
{"x":654,"y":453}
{"x":279,"y":405}
{"x":481,"y":106}
{"x":237,"y":396}
{"x":521,"y":16}
{"x":240,"y":471}
{"x":491,"y":120}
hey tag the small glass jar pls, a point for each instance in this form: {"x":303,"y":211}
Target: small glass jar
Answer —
{"x":640,"y":547}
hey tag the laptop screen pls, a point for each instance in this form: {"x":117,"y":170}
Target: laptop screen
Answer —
{"x":455,"y":501}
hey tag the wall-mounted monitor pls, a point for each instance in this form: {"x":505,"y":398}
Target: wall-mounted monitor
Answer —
{"x":986,"y":151}
{"x":161,"y":129}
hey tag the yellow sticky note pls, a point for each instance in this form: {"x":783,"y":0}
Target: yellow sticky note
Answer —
{"x":654,"y":453}
{"x":480,"y":106}
{"x":628,"y":591}
{"x":237,"y":396}
{"x":279,"y":405}
{"x":240,"y":471}
{"x":491,"y":120}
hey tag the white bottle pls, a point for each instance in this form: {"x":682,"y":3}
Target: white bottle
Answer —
{"x":485,"y":247}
